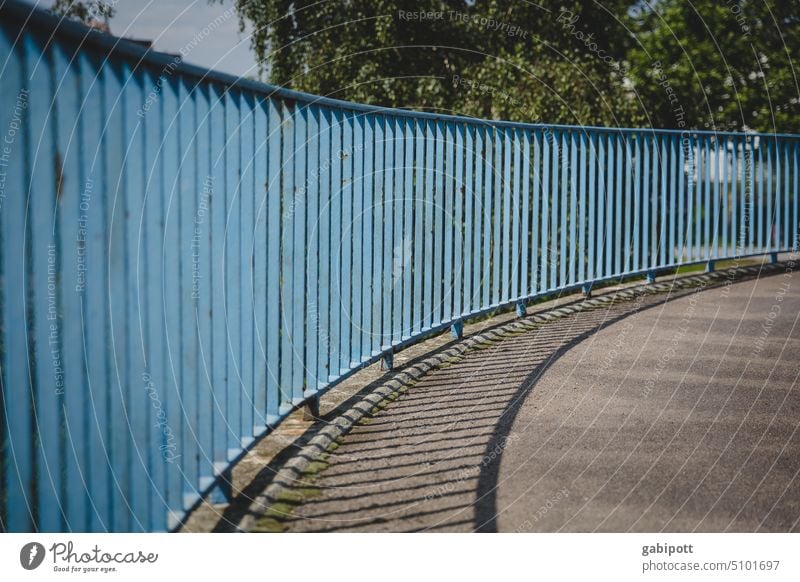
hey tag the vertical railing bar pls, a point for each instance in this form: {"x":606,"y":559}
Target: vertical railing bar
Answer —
{"x":577,"y":233}
{"x":488,"y":173}
{"x":478,"y":233}
{"x":715,"y":219}
{"x":670,"y":190}
{"x":724,"y":219}
{"x":505,"y":265}
{"x":345,"y":244}
{"x":429,"y":224}
{"x":545,"y":193}
{"x":526,"y":237}
{"x":769,"y":236}
{"x":516,"y":209}
{"x":187,"y":355}
{"x":588,"y":271}
{"x":369,"y":238}
{"x":552,"y":250}
{"x":601,"y":251}
{"x":438,"y":225}
{"x":607,"y":159}
{"x":469,"y":234}
{"x":378,"y":236}
{"x":408,"y":227}
{"x":286,"y":382}
{"x":419,"y":215}
{"x":680,"y":195}
{"x":448,"y":223}
{"x":536,"y":217}
{"x":313,"y":251}
{"x":563,"y":258}
{"x":691,"y":187}
{"x":326,"y":280}
{"x":618,"y":226}
{"x":735,"y":229}
{"x":388,"y":233}
{"x":458,"y":224}
{"x":667,"y":212}
{"x":642,"y":218}
{"x":497,"y":209}
{"x":760,"y":204}
{"x":336,"y":226}
{"x":629,"y":202}
{"x":796,"y":199}
{"x":154,"y":369}
{"x":785,"y":238}
{"x":65,"y":107}
{"x":750,"y":203}
{"x":356,"y":319}
{"x":247,"y":221}
{"x":399,"y":243}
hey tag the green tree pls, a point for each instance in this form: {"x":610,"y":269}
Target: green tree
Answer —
{"x":498,"y":59}
{"x":661,"y":63}
{"x":91,"y":12}
{"x":719,"y":65}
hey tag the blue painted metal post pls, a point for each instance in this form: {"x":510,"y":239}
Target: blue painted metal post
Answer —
{"x":457,"y":329}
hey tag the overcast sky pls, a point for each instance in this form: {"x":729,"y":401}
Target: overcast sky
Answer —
{"x":175,"y":24}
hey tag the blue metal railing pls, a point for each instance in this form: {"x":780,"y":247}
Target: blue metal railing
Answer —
{"x":185,"y":256}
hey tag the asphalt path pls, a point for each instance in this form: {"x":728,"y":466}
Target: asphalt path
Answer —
{"x":670,"y":412}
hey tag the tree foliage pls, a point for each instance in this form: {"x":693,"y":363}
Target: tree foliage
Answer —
{"x":730,"y":65}
{"x":662,"y":63}
{"x":88,"y":12}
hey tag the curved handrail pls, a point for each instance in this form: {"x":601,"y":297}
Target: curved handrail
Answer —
{"x":188,"y":256}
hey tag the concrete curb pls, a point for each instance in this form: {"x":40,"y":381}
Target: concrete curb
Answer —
{"x":291,"y":474}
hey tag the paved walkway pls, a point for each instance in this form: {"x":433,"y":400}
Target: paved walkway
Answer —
{"x":669,"y":412}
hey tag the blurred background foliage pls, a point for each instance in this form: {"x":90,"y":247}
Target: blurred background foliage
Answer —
{"x":705,"y":64}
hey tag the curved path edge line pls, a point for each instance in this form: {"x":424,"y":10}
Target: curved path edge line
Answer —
{"x":290,"y":475}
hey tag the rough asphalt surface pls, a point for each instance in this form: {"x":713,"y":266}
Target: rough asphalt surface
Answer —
{"x":665,"y":413}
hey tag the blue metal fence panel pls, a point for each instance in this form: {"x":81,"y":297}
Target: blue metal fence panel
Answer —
{"x":186,"y":257}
